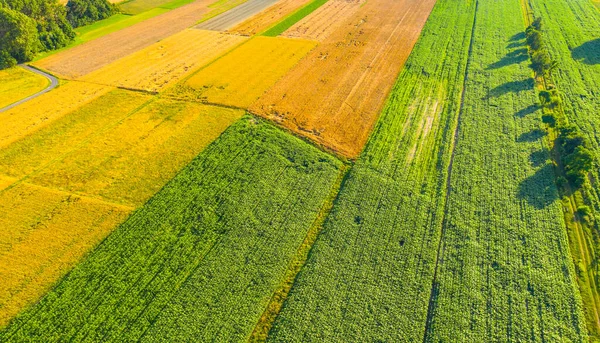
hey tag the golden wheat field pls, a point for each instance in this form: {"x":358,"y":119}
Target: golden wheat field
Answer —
{"x":44,"y":234}
{"x":18,"y":83}
{"x":132,"y":160}
{"x":241,"y":76}
{"x":166,"y":62}
{"x":36,"y":113}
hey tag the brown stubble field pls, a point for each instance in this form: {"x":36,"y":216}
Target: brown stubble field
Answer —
{"x":333,"y":96}
{"x":93,"y":55}
{"x":267,"y":18}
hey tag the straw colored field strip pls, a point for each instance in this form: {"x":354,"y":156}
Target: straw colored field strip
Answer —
{"x":268,"y":17}
{"x":45,"y":233}
{"x":95,"y":54}
{"x":18,"y":83}
{"x":36,"y":113}
{"x":165,"y":62}
{"x":240,"y":77}
{"x":134,"y":159}
{"x":325,"y":20}
{"x":35,"y":151}
{"x":335,"y":94}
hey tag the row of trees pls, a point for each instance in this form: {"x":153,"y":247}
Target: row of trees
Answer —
{"x":576,"y":157}
{"x":30,"y":26}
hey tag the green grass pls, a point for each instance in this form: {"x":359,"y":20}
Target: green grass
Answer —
{"x":103,"y":27}
{"x":201,"y":260}
{"x":293,"y":18}
{"x":503,"y":272}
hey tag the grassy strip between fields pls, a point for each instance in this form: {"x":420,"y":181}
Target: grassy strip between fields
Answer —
{"x":293,"y":18}
{"x":135,"y":7}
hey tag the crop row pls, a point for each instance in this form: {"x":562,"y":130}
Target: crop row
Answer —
{"x":446,"y":232}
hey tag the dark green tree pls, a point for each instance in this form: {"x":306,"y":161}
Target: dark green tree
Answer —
{"x":83,"y":12}
{"x":18,"y":38}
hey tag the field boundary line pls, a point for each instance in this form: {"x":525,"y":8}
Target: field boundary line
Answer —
{"x":448,"y":187}
{"x":267,"y":319}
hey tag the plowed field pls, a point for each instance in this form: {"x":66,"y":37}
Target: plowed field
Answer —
{"x":334,"y":95}
{"x":240,"y":77}
{"x":95,"y":54}
{"x":166,"y":62}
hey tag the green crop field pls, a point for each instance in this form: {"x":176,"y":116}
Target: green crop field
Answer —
{"x":375,"y":272}
{"x":469,"y":211}
{"x":210,"y":248}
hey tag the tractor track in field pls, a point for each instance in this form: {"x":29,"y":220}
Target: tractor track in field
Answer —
{"x":53,"y":84}
{"x":448,"y":187}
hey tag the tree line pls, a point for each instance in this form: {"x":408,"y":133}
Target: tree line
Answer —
{"x":31,"y":26}
{"x":575,"y":155}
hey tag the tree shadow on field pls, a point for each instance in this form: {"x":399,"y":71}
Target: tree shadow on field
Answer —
{"x":527,"y":111}
{"x":517,"y":37}
{"x":512,"y":86}
{"x":588,"y":52}
{"x":539,"y":189}
{"x":532,"y":136}
{"x":514,"y":57}
{"x":538,"y":158}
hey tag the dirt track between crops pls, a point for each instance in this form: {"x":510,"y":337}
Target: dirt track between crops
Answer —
{"x":334,"y":95}
{"x":97,"y":53}
{"x":53,"y":84}
{"x":268,"y":17}
{"x":236,"y":15}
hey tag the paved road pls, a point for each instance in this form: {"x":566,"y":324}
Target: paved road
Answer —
{"x":235,"y":15}
{"x":52,"y":85}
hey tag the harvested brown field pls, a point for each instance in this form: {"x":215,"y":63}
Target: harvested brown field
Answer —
{"x":325,"y":20}
{"x":166,"y":62}
{"x":268,"y":17}
{"x":334,"y":95}
{"x":95,"y":54}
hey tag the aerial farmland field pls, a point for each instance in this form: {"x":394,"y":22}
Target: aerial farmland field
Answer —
{"x":299,"y":171}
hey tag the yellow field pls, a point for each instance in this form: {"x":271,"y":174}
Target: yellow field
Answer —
{"x":167,"y":61}
{"x":41,"y":111}
{"x":243,"y":75}
{"x":64,"y":135}
{"x":45,"y":233}
{"x":17,"y":83}
{"x":133,"y":160}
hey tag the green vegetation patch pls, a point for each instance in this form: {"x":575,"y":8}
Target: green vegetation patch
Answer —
{"x":449,"y":226}
{"x":293,"y":18}
{"x":202,"y":258}
{"x":140,"y":6}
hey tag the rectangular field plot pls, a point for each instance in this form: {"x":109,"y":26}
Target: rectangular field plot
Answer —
{"x":33,"y":152}
{"x":138,"y":6}
{"x":268,"y":17}
{"x":45,"y":233}
{"x":325,"y":20}
{"x":28,"y":117}
{"x":17,"y":83}
{"x":133,"y":159}
{"x":202,"y":258}
{"x":240,"y":77}
{"x":165,"y":62}
{"x":335,"y":94}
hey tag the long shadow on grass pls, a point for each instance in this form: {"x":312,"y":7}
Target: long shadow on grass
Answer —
{"x":539,"y":189}
{"x":588,"y":52}
{"x":511,"y":87}
{"x":532,"y":136}
{"x":527,"y":111}
{"x":514,"y":57}
{"x":518,"y":36}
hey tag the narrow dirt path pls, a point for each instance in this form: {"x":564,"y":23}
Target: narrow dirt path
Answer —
{"x":53,"y":83}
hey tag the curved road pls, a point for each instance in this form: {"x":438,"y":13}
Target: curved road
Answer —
{"x":52,"y":85}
